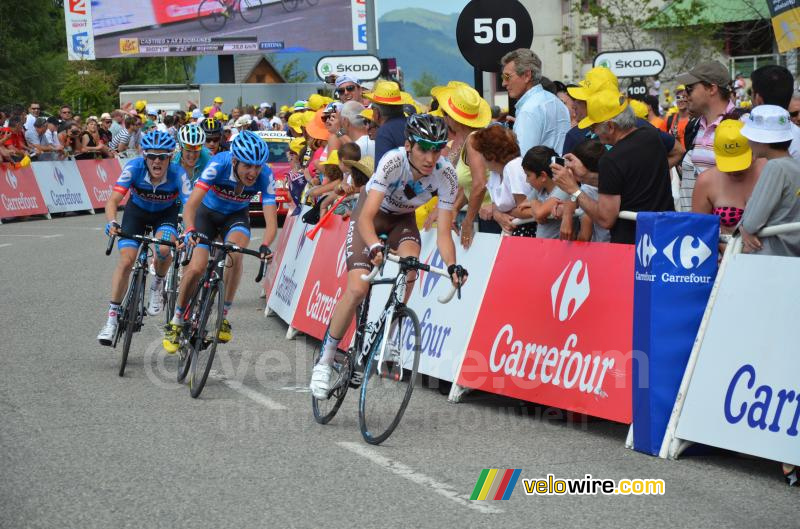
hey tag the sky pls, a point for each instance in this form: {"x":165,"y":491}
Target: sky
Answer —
{"x":440,"y":6}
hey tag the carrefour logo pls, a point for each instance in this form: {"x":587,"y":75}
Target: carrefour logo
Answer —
{"x":302,"y":241}
{"x":58,"y":176}
{"x":691,"y":252}
{"x":101,"y":174}
{"x":646,"y":250}
{"x":11,"y":178}
{"x":341,"y":260}
{"x":684,"y":252}
{"x":429,"y":281}
{"x":570,"y":290}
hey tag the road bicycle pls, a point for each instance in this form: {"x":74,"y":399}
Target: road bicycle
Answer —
{"x":214,"y":14}
{"x":291,"y":5}
{"x":388,"y":350}
{"x":203,"y":317}
{"x":132,"y":311}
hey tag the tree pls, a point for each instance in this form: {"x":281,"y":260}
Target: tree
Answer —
{"x":422,"y":86}
{"x":88,"y":89}
{"x":289,"y":71}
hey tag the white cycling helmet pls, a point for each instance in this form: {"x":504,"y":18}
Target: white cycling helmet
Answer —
{"x":191,"y":135}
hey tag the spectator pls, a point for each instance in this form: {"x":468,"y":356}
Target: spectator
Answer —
{"x":709,"y":93}
{"x":506,"y":183}
{"x":104,"y":129}
{"x":725,"y":189}
{"x":497,"y":112}
{"x":70,"y":139}
{"x":64,"y":114}
{"x":92,"y":146}
{"x":774,"y":85}
{"x":356,"y":127}
{"x":589,"y":154}
{"x":563,"y":95}
{"x":122,"y":141}
{"x":774,"y":200}
{"x":34,"y":109}
{"x":598,"y":79}
{"x":654,"y":112}
{"x":236,"y":113}
{"x":349,"y":89}
{"x":217,"y":106}
{"x":675,"y":124}
{"x":541,"y":118}
{"x":38,"y":140}
{"x":51,"y":134}
{"x":169,"y":122}
{"x":794,"y":108}
{"x":15,"y":142}
{"x":546,"y":195}
{"x":387,"y":111}
{"x":117,"y":122}
{"x":633,"y":175}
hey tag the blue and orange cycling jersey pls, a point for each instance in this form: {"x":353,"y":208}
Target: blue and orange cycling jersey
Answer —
{"x":136,"y":179}
{"x":220,"y":182}
{"x":199,"y":167}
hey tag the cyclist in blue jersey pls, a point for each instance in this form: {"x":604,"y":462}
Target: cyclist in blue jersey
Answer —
{"x":219,"y":207}
{"x":155,"y":186}
{"x":193,"y":155}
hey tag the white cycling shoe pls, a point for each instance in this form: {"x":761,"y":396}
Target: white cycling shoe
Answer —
{"x":156,"y":304}
{"x":107,"y":333}
{"x":321,"y":381}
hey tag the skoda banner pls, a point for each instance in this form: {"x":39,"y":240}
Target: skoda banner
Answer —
{"x":676,"y":263}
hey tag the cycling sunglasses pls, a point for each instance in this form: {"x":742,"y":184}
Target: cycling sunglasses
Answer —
{"x":348,"y":88}
{"x":427,"y":145}
{"x":212,"y":140}
{"x":192,"y":148}
{"x":161,"y":156}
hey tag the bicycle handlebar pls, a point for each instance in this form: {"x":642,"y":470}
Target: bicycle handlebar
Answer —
{"x":140,"y":238}
{"x":413,"y":263}
{"x":227,"y":248}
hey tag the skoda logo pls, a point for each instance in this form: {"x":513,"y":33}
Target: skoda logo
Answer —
{"x":58,"y":175}
{"x":568,"y":293}
{"x":326,"y":68}
{"x":11,"y":178}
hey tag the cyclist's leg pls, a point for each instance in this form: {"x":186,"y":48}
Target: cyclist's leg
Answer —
{"x":237,"y":231}
{"x":206,"y":224}
{"x":404,"y":239}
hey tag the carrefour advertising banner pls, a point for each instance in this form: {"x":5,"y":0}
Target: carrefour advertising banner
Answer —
{"x":744,"y":394}
{"x":61,"y":186}
{"x":555,"y":327}
{"x":676,"y":263}
{"x":125,"y":28}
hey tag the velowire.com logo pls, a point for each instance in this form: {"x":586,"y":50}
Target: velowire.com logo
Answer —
{"x":496,"y":484}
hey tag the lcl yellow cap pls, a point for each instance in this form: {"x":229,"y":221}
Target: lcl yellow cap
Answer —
{"x":731,"y":149}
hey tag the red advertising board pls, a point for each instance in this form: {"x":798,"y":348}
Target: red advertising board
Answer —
{"x":99,"y":177}
{"x":167,"y":11}
{"x":19,"y":193}
{"x":326,"y":281}
{"x":556,"y":326}
{"x":279,"y":252}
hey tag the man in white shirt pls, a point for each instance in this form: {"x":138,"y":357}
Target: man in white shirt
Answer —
{"x":355,"y":127}
{"x":541,"y":118}
{"x":33,"y":113}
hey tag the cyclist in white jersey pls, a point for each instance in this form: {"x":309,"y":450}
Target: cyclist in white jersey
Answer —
{"x":406,"y":178}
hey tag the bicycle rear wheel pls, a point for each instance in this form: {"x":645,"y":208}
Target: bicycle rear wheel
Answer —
{"x":250,"y":10}
{"x":204,"y":343}
{"x":289,"y":5}
{"x":212,"y":14}
{"x":185,"y":348}
{"x":171,"y":288}
{"x":324,"y":410}
{"x":385,"y":394}
{"x":130,"y":315}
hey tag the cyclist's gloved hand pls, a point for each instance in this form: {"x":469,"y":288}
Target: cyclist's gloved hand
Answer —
{"x":458,"y":274}
{"x":112,"y":225}
{"x":265,"y":252}
{"x":189,"y":236}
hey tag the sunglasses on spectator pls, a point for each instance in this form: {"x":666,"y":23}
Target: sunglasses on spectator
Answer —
{"x":35,"y":108}
{"x":427,"y":145}
{"x":348,"y":88}
{"x":160,"y":156}
{"x":506,"y":76}
{"x":106,"y":121}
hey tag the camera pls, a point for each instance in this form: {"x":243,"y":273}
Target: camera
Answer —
{"x":558,"y":160}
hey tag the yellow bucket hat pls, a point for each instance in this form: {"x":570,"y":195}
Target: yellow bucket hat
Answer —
{"x":333,"y":158}
{"x":297,"y":145}
{"x":731,"y":149}
{"x":315,"y":102}
{"x":596,"y":79}
{"x":388,"y":93}
{"x":465,"y":105}
{"x":602,"y":106}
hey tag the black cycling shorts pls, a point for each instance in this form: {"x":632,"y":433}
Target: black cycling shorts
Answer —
{"x":212,"y":224}
{"x":135,"y":221}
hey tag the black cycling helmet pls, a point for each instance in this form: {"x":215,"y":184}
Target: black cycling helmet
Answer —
{"x":211,"y":126}
{"x":426,"y":127}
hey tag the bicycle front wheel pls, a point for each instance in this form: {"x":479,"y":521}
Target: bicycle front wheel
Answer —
{"x":250,"y":11}
{"x":171,"y":289}
{"x":130,"y":315}
{"x":204,"y":344}
{"x":212,"y":14}
{"x":289,"y":5}
{"x":324,"y":410}
{"x":387,"y":387}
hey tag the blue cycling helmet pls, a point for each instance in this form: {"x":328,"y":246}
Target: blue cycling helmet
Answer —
{"x":157,"y":139}
{"x":249,"y":148}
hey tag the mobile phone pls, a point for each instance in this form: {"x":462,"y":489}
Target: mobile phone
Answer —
{"x":558,"y":160}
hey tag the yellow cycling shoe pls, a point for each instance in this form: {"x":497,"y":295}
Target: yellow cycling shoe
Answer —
{"x":171,"y":340}
{"x":225,"y":332}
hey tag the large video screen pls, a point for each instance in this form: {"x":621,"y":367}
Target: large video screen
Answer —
{"x":142,"y":28}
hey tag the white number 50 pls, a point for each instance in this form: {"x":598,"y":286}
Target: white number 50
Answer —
{"x":505,"y":29}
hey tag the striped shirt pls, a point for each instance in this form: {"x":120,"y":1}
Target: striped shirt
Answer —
{"x":698,"y":159}
{"x":122,"y":137}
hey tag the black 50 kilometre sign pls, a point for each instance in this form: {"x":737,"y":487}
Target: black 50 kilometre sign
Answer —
{"x":488,"y":29}
{"x":632,"y":63}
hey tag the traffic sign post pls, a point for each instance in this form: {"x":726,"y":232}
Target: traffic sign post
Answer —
{"x":487,"y":30}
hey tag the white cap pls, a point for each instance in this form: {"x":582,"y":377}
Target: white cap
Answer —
{"x":263,"y":105}
{"x":243,"y":121}
{"x":151,"y":111}
{"x":767,"y":124}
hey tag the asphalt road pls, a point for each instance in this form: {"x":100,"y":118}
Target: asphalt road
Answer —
{"x":81,"y":447}
{"x":326,"y":26}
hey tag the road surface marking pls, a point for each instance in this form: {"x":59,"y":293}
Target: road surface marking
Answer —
{"x":4,"y":245}
{"x":445,"y":489}
{"x":251,"y":394}
{"x":252,"y":29}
